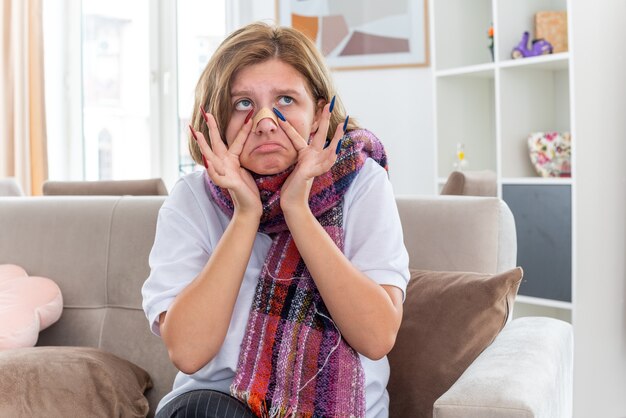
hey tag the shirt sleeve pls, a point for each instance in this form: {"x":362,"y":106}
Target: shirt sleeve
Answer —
{"x":180,"y":251}
{"x":374,"y":242}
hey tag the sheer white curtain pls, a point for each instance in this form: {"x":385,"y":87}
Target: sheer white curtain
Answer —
{"x":23,"y":152}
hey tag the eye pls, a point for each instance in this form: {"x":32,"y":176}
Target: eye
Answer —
{"x":285,"y":100}
{"x":243,"y":104}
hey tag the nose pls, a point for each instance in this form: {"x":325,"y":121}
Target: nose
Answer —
{"x":264,"y":122}
{"x":265,"y":126}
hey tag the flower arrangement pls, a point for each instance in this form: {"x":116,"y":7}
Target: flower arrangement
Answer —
{"x":490,"y":35}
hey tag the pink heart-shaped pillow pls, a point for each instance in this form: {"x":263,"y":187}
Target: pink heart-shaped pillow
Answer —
{"x":27,"y":305}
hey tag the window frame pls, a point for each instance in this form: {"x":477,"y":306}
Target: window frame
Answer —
{"x":67,"y":135}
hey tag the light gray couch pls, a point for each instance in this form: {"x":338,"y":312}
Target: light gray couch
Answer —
{"x":96,"y":249}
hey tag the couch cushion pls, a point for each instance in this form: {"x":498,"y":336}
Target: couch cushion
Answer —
{"x":145,"y":187}
{"x":449,"y":319}
{"x":27,"y":305}
{"x":458,"y":233}
{"x":70,"y":382}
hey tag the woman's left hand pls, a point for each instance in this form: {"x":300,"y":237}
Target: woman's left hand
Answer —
{"x":313,"y":160}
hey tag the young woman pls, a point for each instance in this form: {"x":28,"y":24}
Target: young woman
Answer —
{"x":278,"y":273}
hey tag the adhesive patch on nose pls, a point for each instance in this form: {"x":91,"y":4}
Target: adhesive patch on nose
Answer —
{"x":262,"y":114}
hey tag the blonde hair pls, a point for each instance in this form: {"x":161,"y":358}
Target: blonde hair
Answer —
{"x":253,"y":44}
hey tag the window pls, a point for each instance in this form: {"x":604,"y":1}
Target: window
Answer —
{"x":201,"y":28}
{"x":120,"y":80}
{"x":116,"y":89}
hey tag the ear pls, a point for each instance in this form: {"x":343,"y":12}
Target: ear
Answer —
{"x":318,"y":115}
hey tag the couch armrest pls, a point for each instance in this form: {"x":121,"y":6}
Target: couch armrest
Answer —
{"x":526,"y":372}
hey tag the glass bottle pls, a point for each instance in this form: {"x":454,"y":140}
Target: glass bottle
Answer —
{"x":460,"y":162}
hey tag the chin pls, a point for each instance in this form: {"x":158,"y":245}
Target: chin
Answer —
{"x":270,"y":166}
{"x":269,"y":170}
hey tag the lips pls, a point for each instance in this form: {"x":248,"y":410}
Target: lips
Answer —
{"x":267,"y":147}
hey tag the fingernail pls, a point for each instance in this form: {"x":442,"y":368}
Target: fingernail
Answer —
{"x":280,"y":115}
{"x":249,"y":116}
{"x":193,"y":133}
{"x":339,"y":146}
{"x":345,"y":124}
{"x":327,"y":143}
{"x":206,"y":118}
{"x":332,"y":105}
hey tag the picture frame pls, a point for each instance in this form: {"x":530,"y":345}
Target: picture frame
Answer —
{"x":362,"y":34}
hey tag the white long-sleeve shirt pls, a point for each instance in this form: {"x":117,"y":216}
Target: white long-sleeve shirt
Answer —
{"x":190,"y":225}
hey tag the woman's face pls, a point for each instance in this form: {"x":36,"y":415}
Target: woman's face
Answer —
{"x":269,"y":84}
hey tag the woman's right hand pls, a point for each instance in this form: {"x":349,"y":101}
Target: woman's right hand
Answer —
{"x":225,"y":170}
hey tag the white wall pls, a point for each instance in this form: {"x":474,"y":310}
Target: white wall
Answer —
{"x":395,"y":104}
{"x":599,"y":71}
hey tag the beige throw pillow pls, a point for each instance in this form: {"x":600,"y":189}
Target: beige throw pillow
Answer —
{"x":449,"y":319}
{"x":70,"y":382}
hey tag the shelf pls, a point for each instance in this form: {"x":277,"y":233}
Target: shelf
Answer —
{"x":543,"y":221}
{"x":480,"y":71}
{"x":460,"y":38}
{"x":525,"y":180}
{"x":552,"y":62}
{"x":470,"y":102}
{"x":531,"y":100}
{"x":522,"y":309}
{"x":513,"y":17}
{"x":556,"y":62}
{"x":492,"y":104}
{"x":543,"y":302}
{"x":536,"y":180}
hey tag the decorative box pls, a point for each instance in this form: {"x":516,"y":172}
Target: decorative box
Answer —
{"x":552,"y":26}
{"x":550,"y":153}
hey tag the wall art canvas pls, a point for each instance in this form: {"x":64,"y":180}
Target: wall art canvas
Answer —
{"x":354,"y":34}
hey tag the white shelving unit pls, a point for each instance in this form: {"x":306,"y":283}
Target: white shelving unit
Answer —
{"x":491,"y":105}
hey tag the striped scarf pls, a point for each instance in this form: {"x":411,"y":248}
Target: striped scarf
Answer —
{"x":293,"y":360}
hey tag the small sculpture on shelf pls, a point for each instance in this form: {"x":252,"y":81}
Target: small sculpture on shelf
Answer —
{"x":535,"y":48}
{"x":460,"y":163}
{"x":550,"y":153}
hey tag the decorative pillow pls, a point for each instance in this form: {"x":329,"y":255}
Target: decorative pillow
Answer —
{"x":449,"y":319}
{"x":454,"y":184}
{"x":27,"y":305}
{"x":70,"y":382}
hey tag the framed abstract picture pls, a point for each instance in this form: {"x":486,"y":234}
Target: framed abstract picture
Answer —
{"x":360,"y":34}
